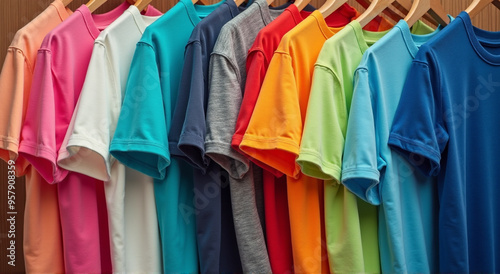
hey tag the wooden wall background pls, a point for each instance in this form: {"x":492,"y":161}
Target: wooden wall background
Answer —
{"x":16,"y":13}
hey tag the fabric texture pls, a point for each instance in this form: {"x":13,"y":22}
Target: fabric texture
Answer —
{"x":276,"y":120}
{"x":324,"y":128}
{"x":406,"y":198}
{"x":60,"y":71}
{"x":227,"y":75}
{"x":133,"y":225}
{"x":43,"y":248}
{"x":141,"y":137}
{"x":446,"y":127}
{"x":218,"y":253}
{"x":275,"y":190}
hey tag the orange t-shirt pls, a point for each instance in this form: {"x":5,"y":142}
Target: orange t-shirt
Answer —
{"x":274,"y":134}
{"x":43,"y":249}
{"x":275,"y":129}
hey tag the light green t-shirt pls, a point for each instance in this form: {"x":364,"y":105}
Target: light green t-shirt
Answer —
{"x":351,"y":224}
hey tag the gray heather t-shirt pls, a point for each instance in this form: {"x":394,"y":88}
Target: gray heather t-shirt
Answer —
{"x":227,"y":75}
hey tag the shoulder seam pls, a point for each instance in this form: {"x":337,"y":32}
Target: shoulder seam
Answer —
{"x":233,"y":66}
{"x":26,"y":60}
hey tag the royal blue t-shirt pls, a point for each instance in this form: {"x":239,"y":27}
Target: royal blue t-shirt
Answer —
{"x":217,"y":246}
{"x":141,"y":137}
{"x":447,"y":125}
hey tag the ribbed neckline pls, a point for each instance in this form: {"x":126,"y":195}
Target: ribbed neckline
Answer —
{"x":414,"y":41}
{"x":142,"y":21}
{"x":96,"y":21}
{"x":365,"y":37}
{"x":478,"y":37}
{"x":198,"y":12}
{"x":299,"y":15}
{"x":325,"y":29}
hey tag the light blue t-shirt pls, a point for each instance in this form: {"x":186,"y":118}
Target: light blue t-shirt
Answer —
{"x":141,"y":138}
{"x":371,"y":170}
{"x":447,"y":125}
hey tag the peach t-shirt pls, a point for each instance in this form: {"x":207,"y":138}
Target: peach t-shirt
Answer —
{"x":43,"y":251}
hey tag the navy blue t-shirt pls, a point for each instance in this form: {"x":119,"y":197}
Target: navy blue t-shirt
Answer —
{"x":217,"y":245}
{"x":447,"y":125}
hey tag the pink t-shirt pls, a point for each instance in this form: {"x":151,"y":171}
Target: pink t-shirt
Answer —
{"x":59,"y":75}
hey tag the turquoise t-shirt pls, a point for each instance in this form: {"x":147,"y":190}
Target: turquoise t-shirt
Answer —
{"x":141,"y":137}
{"x":380,"y":176}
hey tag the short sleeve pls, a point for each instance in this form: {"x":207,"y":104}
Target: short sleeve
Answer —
{"x":140,"y":140}
{"x":256,"y":71}
{"x":190,"y":109}
{"x":360,"y":168}
{"x":418,"y":130}
{"x":224,"y":102}
{"x":40,"y":133}
{"x":324,"y":130}
{"x":15,"y":79}
{"x":275,"y":129}
{"x":87,"y":149}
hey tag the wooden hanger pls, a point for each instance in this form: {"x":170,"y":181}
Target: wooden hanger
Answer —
{"x":404,"y":8}
{"x":141,"y":4}
{"x":239,"y":2}
{"x":421,"y":7}
{"x":301,"y":4}
{"x":330,"y":6}
{"x":479,"y":5}
{"x":66,"y":2}
{"x":95,"y":4}
{"x":375,"y":8}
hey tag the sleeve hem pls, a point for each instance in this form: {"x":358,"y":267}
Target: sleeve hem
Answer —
{"x":187,"y":143}
{"x":74,"y":160}
{"x":259,"y":149}
{"x":124,"y":150}
{"x":351,"y":180}
{"x":408,"y":147}
{"x":269,"y":143}
{"x":38,"y":151}
{"x":9,"y":144}
{"x":235,"y":164}
{"x":313,"y":165}
{"x":35,"y":154}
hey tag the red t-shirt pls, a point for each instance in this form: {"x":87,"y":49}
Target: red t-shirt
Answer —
{"x":275,"y":188}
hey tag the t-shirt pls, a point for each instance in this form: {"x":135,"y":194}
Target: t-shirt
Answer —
{"x":275,"y":190}
{"x":43,"y":249}
{"x":322,"y":140}
{"x":227,"y":77}
{"x":133,"y":224}
{"x":407,"y":199}
{"x":59,"y":74}
{"x":274,"y":131}
{"x":141,"y":137}
{"x":446,"y":125}
{"x":260,"y":55}
{"x":218,"y":253}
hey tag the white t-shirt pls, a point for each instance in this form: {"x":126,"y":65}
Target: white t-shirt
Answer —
{"x":133,"y":224}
